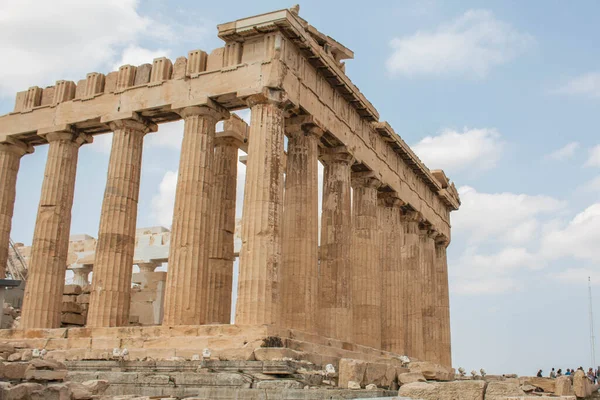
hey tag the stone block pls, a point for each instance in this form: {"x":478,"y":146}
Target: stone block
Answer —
{"x":196,"y":62}
{"x":70,"y":318}
{"x":39,"y":363}
{"x":69,"y":298}
{"x":13,"y":370}
{"x":142,"y":75}
{"x":351,"y":370}
{"x":279,"y":384}
{"x":106,"y":343}
{"x":548,"y":385}
{"x":211,"y":379}
{"x":87,"y":289}
{"x":457,"y":390}
{"x":56,"y":344}
{"x":410,"y":377}
{"x":564,"y":386}
{"x":502,"y":390}
{"x":19,"y":392}
{"x":52,"y":392}
{"x":179,"y":68}
{"x":162,"y":69}
{"x":431,"y":371}
{"x":83,"y":298}
{"x":14,"y":357}
{"x":71,"y":307}
{"x":79,"y":343}
{"x":110,"y":86}
{"x":45,"y":375}
{"x":96,"y":386}
{"x":582,"y":387}
{"x":381,"y":375}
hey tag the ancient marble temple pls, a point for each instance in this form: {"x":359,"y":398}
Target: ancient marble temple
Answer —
{"x":375,"y":275}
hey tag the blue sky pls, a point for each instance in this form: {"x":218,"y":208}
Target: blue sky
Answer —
{"x":504,"y":96}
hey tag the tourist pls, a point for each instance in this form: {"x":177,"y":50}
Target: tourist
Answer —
{"x":559,"y":372}
{"x":553,"y":374}
{"x":539,"y":374}
{"x":568,"y":372}
{"x":591,"y":375}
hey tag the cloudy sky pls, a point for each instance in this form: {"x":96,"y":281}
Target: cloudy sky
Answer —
{"x":504,"y":96}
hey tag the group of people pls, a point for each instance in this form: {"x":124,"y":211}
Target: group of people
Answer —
{"x":592,"y":375}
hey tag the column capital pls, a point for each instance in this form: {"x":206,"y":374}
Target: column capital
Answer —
{"x":278,"y":98}
{"x":135,"y":122}
{"x":65,"y":133}
{"x":338,"y":154}
{"x":230,"y":138}
{"x":365,"y":179}
{"x":209,"y":109}
{"x":306,"y":125}
{"x":428,"y":232}
{"x":442,"y":241}
{"x":16,"y":147}
{"x":389,"y":199}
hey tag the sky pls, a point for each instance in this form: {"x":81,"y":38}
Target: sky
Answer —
{"x":502,"y":95}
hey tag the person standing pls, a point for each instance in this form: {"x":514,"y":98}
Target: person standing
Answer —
{"x":553,"y":374}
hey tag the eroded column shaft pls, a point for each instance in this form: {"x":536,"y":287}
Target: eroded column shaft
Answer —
{"x":47,"y":268}
{"x":392,"y":303}
{"x":335,"y":271}
{"x":443,"y":304}
{"x":188,"y":254}
{"x":366,"y":267}
{"x":299,"y":270}
{"x":413,"y":317}
{"x":10,"y":158}
{"x":428,"y":301}
{"x":111,"y":285}
{"x":258,"y":299}
{"x":220,"y":262}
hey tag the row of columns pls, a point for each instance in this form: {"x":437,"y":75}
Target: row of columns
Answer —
{"x":380,"y":280}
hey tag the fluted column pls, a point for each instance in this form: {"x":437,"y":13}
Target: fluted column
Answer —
{"x":300,"y":243}
{"x":47,"y":268}
{"x":81,"y":274}
{"x":111,"y":286}
{"x":10,"y":158}
{"x":222,"y":227}
{"x":442,"y":301}
{"x":190,"y":234}
{"x":413,"y":317}
{"x":335,"y":267}
{"x":392,"y":303}
{"x":259,"y":299}
{"x":431,"y":337}
{"x":366,"y":266}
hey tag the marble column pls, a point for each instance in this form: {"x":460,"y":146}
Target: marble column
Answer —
{"x":335,"y":271}
{"x":366,"y":266}
{"x":46,"y":273}
{"x":442,"y":301}
{"x":259,"y":298}
{"x":111,"y":286}
{"x":300,"y":242}
{"x":190,"y":233}
{"x":220,"y":256}
{"x":392,"y":303}
{"x":10,"y":158}
{"x":81,"y":274}
{"x":413,"y":317}
{"x":428,"y":293}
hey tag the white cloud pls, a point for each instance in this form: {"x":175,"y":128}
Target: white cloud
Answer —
{"x":508,"y":217}
{"x":46,"y":41}
{"x":578,"y":276}
{"x":578,"y":239}
{"x":565,"y":152}
{"x":470,"y":45}
{"x":41,"y":52}
{"x":135,"y":55}
{"x":453,"y":151}
{"x":586,"y":85}
{"x":594,"y":157}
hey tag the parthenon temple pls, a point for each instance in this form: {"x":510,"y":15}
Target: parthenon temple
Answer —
{"x":369,"y":278}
